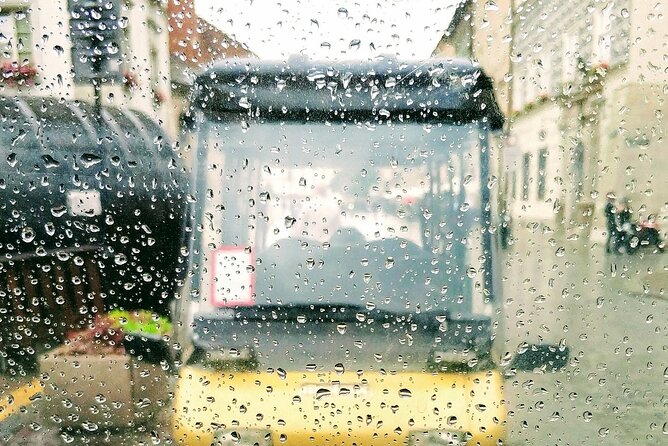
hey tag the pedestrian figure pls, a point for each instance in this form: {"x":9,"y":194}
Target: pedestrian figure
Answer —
{"x":610,"y":212}
{"x":625,"y":226}
{"x":624,"y":214}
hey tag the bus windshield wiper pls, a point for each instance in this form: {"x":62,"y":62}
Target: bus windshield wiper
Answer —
{"x":330,"y":312}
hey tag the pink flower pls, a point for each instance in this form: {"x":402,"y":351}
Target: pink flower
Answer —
{"x":130,"y":79}
{"x":159,"y":96}
{"x":15,"y":74}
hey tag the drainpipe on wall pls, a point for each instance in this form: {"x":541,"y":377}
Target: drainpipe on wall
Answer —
{"x":511,"y":66}
{"x":502,"y":168}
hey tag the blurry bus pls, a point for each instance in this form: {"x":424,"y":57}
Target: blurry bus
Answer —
{"x":343,"y":284}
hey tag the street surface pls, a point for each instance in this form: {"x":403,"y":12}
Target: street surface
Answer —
{"x":614,"y":315}
{"x":610,"y":309}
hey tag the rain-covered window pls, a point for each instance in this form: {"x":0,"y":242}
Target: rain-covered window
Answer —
{"x":351,"y":223}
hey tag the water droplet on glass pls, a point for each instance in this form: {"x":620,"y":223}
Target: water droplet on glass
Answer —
{"x":89,"y":160}
{"x":322,"y":393}
{"x":289,"y":222}
{"x":27,"y":234}
{"x":143,"y":403}
{"x":50,"y":162}
{"x":90,"y":427}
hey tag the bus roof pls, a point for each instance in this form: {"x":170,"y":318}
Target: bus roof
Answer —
{"x":435,"y":89}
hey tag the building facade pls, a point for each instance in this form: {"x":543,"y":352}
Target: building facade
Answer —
{"x":39,"y":57}
{"x":584,"y":94}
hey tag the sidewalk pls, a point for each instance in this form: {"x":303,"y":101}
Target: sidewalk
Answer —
{"x":16,"y":393}
{"x":644,"y":273}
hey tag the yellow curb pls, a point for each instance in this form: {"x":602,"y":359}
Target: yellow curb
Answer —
{"x":17,"y":398}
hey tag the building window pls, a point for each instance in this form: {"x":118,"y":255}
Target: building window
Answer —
{"x":569,"y":57}
{"x":579,"y":170}
{"x":541,"y":179}
{"x":15,"y":36}
{"x":602,"y":27}
{"x":526,"y":163}
{"x":545,"y":71}
{"x":519,"y":92}
{"x":620,"y":33}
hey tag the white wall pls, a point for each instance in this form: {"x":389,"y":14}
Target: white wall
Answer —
{"x":530,"y":133}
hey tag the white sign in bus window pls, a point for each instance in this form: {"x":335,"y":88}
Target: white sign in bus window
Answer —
{"x":233,"y":277}
{"x":84,"y":203}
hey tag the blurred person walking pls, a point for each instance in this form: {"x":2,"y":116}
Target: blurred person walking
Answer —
{"x":626,"y":226}
{"x":610,"y":210}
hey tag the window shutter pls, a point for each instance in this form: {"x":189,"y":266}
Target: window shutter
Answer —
{"x":24,"y":38}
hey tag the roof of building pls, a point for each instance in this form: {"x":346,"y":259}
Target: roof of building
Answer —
{"x":195,"y":43}
{"x":461,"y":11}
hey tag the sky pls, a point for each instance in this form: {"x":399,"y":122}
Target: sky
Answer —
{"x":338,"y":29}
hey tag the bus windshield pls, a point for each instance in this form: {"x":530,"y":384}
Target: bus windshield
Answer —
{"x":384,"y":216}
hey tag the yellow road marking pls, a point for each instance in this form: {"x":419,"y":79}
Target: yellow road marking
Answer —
{"x":18,"y":398}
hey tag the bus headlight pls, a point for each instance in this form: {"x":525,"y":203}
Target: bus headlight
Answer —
{"x":439,"y":438}
{"x":242,"y":437}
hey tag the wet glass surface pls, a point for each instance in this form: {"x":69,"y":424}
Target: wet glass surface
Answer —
{"x":298,"y":222}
